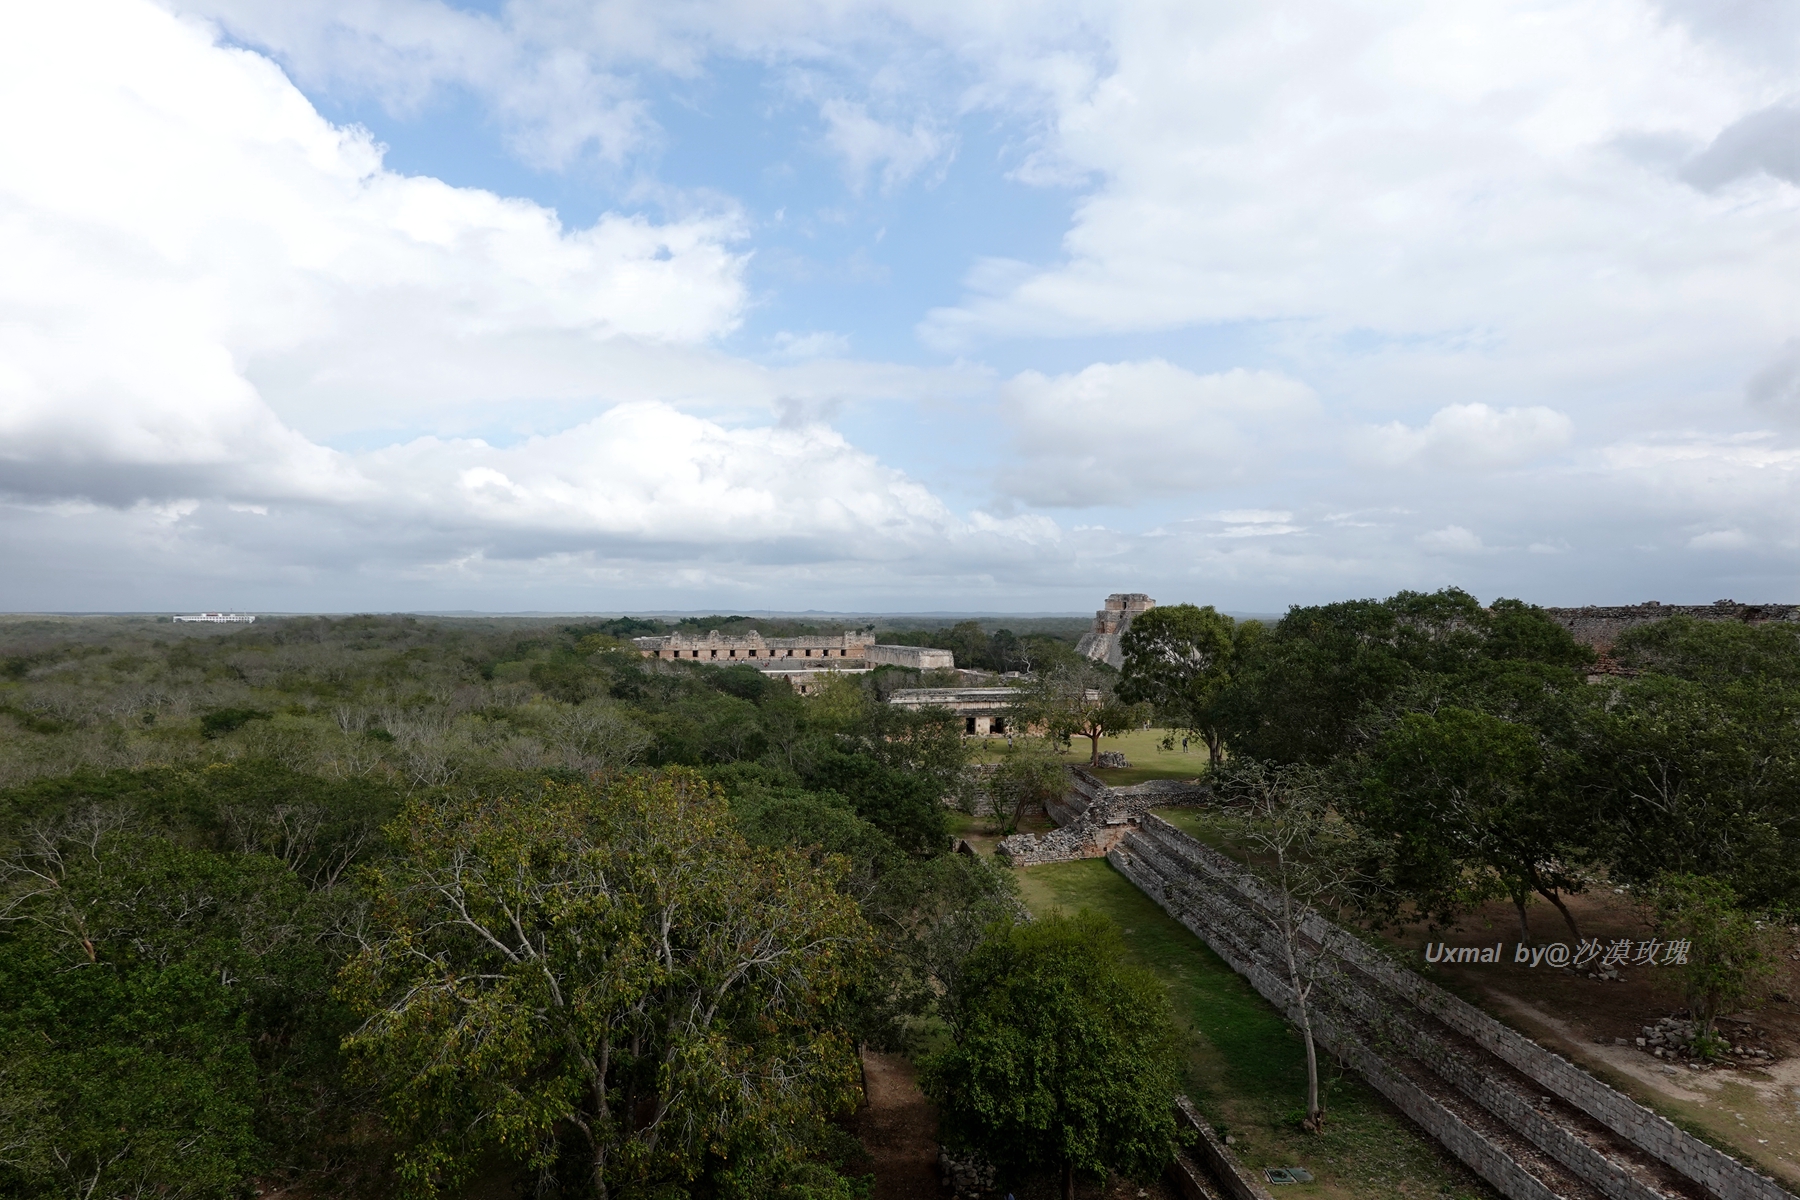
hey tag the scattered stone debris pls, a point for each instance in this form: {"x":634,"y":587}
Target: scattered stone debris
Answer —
{"x":970,"y":1175}
{"x":1673,"y":1038}
{"x":1113,"y":758}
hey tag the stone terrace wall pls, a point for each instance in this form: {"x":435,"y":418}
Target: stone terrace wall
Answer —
{"x":1407,"y":1037}
{"x":1600,"y":627}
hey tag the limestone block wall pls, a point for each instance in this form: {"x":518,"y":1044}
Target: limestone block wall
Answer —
{"x":1216,"y":1158}
{"x":1475,"y":1085}
{"x":917,"y":658}
{"x":1600,"y":625}
{"x":1092,"y":818}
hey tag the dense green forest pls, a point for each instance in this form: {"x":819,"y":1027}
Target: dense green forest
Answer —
{"x":381,"y":903}
{"x":1479,"y":752}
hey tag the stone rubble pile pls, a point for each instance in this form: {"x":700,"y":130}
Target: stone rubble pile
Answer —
{"x":1674,"y":1037}
{"x":969,"y":1175}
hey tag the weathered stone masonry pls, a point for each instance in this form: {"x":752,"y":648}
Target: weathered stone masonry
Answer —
{"x":1101,"y":642}
{"x":1600,"y":626}
{"x":1530,"y":1122}
{"x":752,"y":647}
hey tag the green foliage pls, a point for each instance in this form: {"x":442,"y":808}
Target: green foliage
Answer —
{"x":1180,"y":659}
{"x":1001,"y":650}
{"x":1699,"y":779}
{"x":1327,"y":678}
{"x":152,"y":1035}
{"x":1727,"y":960}
{"x":902,"y":804}
{"x":1063,"y":1055}
{"x":1467,"y":805}
{"x":1081,"y":700}
{"x":1717,"y":653}
{"x":221,"y":721}
{"x":608,"y":985}
{"x":1029,"y":776}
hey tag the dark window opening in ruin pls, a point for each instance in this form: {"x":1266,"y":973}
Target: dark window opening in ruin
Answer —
{"x":715,"y":654}
{"x":968,"y":724}
{"x":999,"y":724}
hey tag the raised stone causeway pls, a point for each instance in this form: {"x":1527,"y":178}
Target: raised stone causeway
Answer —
{"x":1528,"y":1121}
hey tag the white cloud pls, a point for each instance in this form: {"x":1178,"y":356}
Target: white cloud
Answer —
{"x":1451,"y":539}
{"x":1471,"y":437}
{"x":177,"y":218}
{"x":871,"y":147}
{"x":648,"y":474}
{"x":818,"y":344}
{"x":200,"y":269}
{"x":1777,"y":386}
{"x":1417,"y":196}
{"x":1719,"y":539}
{"x":1117,"y":433}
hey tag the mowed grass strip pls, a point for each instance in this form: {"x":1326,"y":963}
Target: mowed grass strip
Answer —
{"x":1246,"y":1067}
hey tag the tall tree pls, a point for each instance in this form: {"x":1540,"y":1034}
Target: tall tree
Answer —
{"x":1466,"y":804}
{"x":1179,"y":659}
{"x":1079,"y":700}
{"x":1724,"y":957}
{"x":1062,"y":1055}
{"x":608,"y":984}
{"x":1308,"y":857}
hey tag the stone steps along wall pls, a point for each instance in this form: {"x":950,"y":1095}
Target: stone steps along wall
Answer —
{"x":1394,"y":989}
{"x":1213,"y":923}
{"x":1210,"y":1170}
{"x":1624,"y":1172}
{"x":1714,"y":1170}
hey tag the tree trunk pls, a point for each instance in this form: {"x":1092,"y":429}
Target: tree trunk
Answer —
{"x":1550,"y":895}
{"x":1215,"y":748}
{"x":1315,"y":1115}
{"x":1068,"y":1179}
{"x":1524,"y":925}
{"x":1095,"y":738}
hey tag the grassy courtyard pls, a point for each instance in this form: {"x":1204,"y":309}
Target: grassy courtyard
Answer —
{"x":1246,"y":1067}
{"x":1142,"y":749}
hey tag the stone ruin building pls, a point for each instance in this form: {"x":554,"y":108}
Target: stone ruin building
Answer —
{"x":799,"y":660}
{"x":1101,"y":643}
{"x":1600,"y":625}
{"x":985,"y":711}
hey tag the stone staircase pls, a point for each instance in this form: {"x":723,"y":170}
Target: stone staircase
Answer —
{"x":1531,"y":1123}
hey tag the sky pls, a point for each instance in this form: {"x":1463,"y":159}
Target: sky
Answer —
{"x":650,"y":305}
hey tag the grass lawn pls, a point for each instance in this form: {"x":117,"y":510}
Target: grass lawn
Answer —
{"x":1246,"y":1067}
{"x":1143,"y":750}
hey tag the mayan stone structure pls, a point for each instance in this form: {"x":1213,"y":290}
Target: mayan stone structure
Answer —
{"x":1101,"y":643}
{"x":1599,"y":626}
{"x":1531,"y":1123}
{"x":754,"y":648}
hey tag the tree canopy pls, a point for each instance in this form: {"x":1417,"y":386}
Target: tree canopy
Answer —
{"x":608,"y":984}
{"x":1062,"y":1055}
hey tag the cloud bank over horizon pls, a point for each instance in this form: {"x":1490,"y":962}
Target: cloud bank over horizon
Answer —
{"x":833,"y":304}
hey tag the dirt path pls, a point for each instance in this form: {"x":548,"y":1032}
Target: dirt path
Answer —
{"x":898,"y":1128}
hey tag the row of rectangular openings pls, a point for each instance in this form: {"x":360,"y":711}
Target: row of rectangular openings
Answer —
{"x":770,"y":654}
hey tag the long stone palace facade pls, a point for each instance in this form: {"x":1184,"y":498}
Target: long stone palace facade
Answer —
{"x":799,"y":660}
